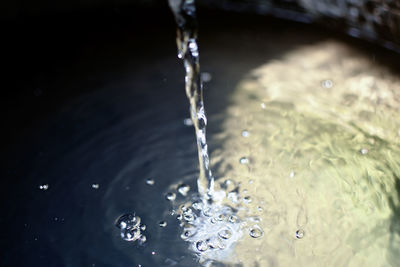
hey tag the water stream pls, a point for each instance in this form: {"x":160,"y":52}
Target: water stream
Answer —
{"x":185,"y":16}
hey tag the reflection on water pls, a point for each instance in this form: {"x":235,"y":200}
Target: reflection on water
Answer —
{"x":322,"y":150}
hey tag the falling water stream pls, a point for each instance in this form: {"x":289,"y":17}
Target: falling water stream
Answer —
{"x":185,"y":16}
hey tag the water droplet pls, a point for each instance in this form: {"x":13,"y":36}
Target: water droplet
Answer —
{"x":170,"y":196}
{"x":150,"y":181}
{"x":225,"y":234}
{"x":188,"y":122}
{"x":247,"y":199}
{"x":245,"y":133}
{"x":95,"y":186}
{"x":244,"y":160}
{"x":44,"y":187}
{"x":364,"y":151}
{"x":259,"y":208}
{"x":263,"y":106}
{"x":201,"y":246}
{"x":206,"y":77}
{"x":183,"y":189}
{"x":327,"y":84}
{"x":162,"y":224}
{"x":292,"y":173}
{"x":143,"y":227}
{"x":299,"y":234}
{"x":153,"y":253}
{"x":251,"y":181}
{"x":256,"y":232}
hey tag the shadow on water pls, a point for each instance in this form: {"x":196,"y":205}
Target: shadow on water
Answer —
{"x":96,"y":107}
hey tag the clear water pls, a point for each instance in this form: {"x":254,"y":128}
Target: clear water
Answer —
{"x":304,"y":137}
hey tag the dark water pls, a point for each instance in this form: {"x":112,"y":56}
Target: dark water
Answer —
{"x":117,"y":120}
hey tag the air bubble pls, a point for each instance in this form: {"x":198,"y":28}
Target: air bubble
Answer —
{"x":188,"y":233}
{"x":150,"y":181}
{"x":201,"y":246}
{"x":327,"y":84}
{"x":215,"y":242}
{"x":197,"y":205}
{"x":44,"y":187}
{"x":95,"y":186}
{"x":364,"y":151}
{"x":183,"y":189}
{"x":130,"y":234}
{"x":244,"y":160}
{"x":221,"y":217}
{"x":256,"y":232}
{"x":233,"y":219}
{"x":170,"y":196}
{"x":291,"y":175}
{"x":188,"y":217}
{"x":247,"y":200}
{"x":130,"y":227}
{"x":162,"y":224}
{"x":245,"y":133}
{"x":127,"y":221}
{"x":142,"y":239}
{"x":263,"y":106}
{"x":299,"y":234}
{"x":225,"y":234}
